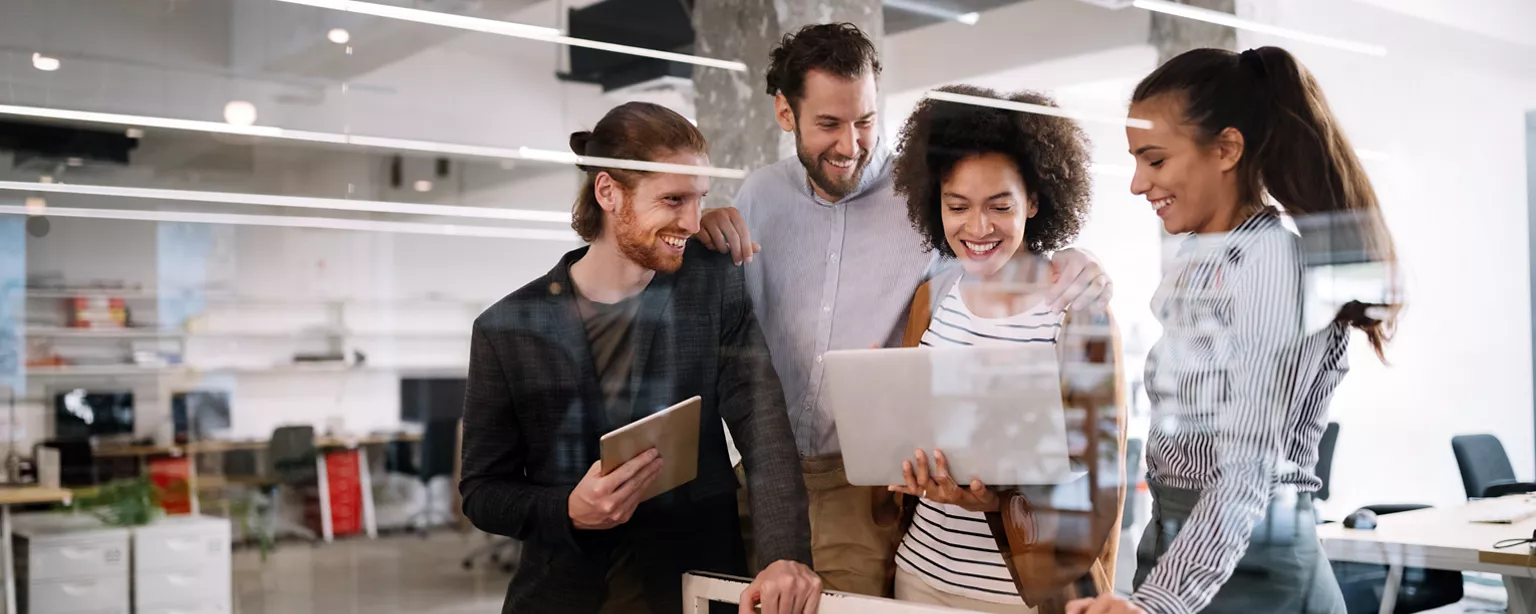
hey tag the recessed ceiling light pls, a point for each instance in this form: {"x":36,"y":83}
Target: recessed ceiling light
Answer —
{"x":422,"y":185}
{"x":969,"y":19}
{"x":339,"y":36}
{"x":240,"y":113}
{"x":44,"y":63}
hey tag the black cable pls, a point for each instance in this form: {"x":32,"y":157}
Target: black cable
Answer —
{"x":1510,"y":543}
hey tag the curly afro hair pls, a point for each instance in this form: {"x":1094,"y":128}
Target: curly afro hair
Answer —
{"x":1050,"y":152}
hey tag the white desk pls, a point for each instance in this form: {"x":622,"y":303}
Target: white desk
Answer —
{"x":1440,"y":538}
{"x":17,"y":495}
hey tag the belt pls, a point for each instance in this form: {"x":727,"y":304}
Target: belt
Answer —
{"x":823,"y":472}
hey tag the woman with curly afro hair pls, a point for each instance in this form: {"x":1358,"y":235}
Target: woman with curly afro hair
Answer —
{"x":995,"y":191}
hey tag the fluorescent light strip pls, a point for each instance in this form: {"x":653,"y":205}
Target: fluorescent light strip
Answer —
{"x":296,"y":202}
{"x":273,"y":132}
{"x":1026,"y":107}
{"x":1233,"y":21}
{"x":298,"y":222}
{"x":507,"y":28}
{"x":921,"y":8}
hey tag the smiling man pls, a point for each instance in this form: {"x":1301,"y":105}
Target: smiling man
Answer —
{"x":619,"y":330}
{"x":839,"y":264}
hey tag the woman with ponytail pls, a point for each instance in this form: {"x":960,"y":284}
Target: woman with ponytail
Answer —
{"x":1241,"y":381}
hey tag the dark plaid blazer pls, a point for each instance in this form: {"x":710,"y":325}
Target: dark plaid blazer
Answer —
{"x":533,"y":414}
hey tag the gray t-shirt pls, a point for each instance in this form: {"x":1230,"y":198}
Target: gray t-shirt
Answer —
{"x":610,"y":334}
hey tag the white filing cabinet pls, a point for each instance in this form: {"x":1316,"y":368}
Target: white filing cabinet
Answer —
{"x":69,"y":564}
{"x":181,"y":565}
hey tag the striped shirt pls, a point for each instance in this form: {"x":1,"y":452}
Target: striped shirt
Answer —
{"x":1240,"y":394}
{"x":948,"y":547}
{"x":831,"y":276}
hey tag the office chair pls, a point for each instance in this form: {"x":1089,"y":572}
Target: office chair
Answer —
{"x":1484,"y":465}
{"x":438,"y":443}
{"x":1421,"y":589}
{"x":1325,"y":448}
{"x":77,"y":462}
{"x":291,"y":456}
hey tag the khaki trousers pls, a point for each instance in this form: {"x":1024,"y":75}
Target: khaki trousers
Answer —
{"x":852,"y":551}
{"x":909,"y":587}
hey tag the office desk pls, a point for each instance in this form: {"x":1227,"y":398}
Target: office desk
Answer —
{"x":1440,"y":538}
{"x":18,"y":495}
{"x":355,"y":444}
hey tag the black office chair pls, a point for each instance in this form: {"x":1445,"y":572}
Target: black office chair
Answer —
{"x":291,"y":458}
{"x":439,"y":441}
{"x":77,"y":462}
{"x":1485,"y":468}
{"x":1325,"y":448}
{"x":1421,"y":589}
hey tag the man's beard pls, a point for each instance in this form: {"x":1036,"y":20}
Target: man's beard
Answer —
{"x":834,"y":188}
{"x":642,"y":246}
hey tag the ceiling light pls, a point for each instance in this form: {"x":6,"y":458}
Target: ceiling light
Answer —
{"x":293,"y":202}
{"x":507,"y":28}
{"x":921,"y":7}
{"x":240,"y":113}
{"x":459,"y":149}
{"x":1233,"y":21}
{"x":44,"y":63}
{"x":422,"y":185}
{"x":1026,"y":107}
{"x":303,"y":222}
{"x":339,"y":36}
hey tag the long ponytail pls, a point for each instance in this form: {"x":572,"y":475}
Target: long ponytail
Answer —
{"x":1294,"y":152}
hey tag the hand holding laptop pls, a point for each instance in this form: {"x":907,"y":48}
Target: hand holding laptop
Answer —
{"x":940,"y":487}
{"x":606,"y":501}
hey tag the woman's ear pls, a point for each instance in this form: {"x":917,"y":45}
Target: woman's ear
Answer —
{"x":1034,"y":207}
{"x":1229,"y":148}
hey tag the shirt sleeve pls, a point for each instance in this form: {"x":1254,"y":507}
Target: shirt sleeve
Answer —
{"x":1257,"y":340}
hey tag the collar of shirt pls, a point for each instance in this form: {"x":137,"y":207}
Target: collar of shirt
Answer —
{"x":878,"y":168}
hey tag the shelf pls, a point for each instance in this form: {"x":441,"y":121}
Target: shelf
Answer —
{"x":224,"y":297}
{"x":59,"y":332}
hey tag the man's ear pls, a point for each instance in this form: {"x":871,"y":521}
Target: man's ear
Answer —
{"x":608,"y":191}
{"x":783,"y":112}
{"x":1229,"y":148}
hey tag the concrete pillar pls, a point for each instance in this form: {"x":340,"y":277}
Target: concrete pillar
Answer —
{"x":734,"y":109}
{"x":1172,"y":35}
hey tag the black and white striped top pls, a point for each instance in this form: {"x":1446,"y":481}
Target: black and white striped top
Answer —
{"x":948,"y":547}
{"x":1240,"y":394}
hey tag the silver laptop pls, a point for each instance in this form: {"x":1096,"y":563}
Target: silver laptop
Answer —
{"x":995,"y":412}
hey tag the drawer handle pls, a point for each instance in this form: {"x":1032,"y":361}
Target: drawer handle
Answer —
{"x":182,"y":544}
{"x":75,"y":553}
{"x":75,"y":590}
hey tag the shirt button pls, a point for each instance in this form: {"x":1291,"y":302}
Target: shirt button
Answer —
{"x":834,"y":256}
{"x":818,"y":358}
{"x":826,"y":307}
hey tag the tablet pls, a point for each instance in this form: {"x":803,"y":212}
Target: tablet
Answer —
{"x":673,"y":431}
{"x":995,"y":411}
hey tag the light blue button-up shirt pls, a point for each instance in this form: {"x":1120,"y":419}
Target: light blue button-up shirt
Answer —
{"x":831,"y":276}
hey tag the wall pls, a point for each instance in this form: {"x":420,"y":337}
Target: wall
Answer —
{"x":1450,"y":119}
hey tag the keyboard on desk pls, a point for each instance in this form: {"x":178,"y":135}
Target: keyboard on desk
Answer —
{"x":1504,"y":511}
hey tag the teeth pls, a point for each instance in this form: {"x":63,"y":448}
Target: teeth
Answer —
{"x":981,"y":247}
{"x":1157,"y":205}
{"x":843,"y":164}
{"x":675,"y":241}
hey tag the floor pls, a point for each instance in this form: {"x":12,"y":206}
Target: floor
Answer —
{"x":395,"y":573}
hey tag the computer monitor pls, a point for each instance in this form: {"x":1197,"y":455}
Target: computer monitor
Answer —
{"x":83,"y":414}
{"x":200,"y":415}
{"x":423,"y":400}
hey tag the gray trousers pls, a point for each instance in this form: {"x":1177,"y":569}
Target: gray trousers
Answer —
{"x":1283,"y":570}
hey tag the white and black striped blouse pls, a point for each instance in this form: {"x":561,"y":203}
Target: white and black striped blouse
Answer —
{"x":1240,"y":394}
{"x":947,"y":546}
